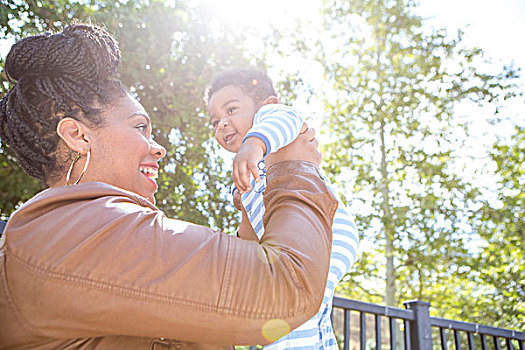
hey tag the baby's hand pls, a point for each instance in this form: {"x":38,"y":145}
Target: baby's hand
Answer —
{"x":245,"y":163}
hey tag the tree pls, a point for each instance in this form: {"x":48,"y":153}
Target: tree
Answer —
{"x":170,"y":54}
{"x":501,"y":224}
{"x":19,"y":19}
{"x":171,"y":51}
{"x":395,"y":143}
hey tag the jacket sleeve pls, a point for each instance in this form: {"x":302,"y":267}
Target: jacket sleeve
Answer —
{"x":112,"y":267}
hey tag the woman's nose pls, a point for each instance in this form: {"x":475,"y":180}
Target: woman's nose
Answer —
{"x":157,"y":150}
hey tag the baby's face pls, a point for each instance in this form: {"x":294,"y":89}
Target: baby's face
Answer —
{"x":231,"y":115}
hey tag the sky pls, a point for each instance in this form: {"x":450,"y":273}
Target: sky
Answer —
{"x":495,"y":26}
{"x":498,"y":27}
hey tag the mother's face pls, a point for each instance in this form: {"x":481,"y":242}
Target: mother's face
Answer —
{"x":123,"y":152}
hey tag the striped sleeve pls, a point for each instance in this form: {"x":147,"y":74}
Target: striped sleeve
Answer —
{"x":276,"y":125}
{"x":345,"y":242}
{"x":317,"y":333}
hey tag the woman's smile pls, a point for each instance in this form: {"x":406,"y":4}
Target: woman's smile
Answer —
{"x":151,"y":172}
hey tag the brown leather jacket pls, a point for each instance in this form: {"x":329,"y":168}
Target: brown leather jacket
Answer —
{"x":95,"y":267}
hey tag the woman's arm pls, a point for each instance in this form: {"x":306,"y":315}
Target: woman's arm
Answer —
{"x":95,"y":261}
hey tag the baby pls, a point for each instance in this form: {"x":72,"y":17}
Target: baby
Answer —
{"x":248,"y":120}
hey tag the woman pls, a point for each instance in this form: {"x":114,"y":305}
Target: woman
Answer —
{"x":90,"y":262}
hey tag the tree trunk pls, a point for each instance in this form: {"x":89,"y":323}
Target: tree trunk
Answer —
{"x":390,"y":286}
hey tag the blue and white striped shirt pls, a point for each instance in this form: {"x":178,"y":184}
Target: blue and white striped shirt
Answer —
{"x":277,"y":126}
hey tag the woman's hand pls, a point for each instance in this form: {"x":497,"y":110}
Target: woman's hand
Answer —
{"x":305,"y":147}
{"x":245,"y":230}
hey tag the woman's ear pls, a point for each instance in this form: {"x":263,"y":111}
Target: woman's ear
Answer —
{"x":74,"y":133}
{"x":269,"y":100}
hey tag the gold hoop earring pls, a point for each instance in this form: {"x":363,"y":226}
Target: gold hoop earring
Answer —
{"x":75,"y":156}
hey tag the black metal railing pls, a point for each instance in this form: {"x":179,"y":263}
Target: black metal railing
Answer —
{"x":365,"y":326}
{"x":414,"y":329}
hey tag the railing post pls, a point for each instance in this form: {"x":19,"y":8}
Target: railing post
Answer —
{"x":420,"y":328}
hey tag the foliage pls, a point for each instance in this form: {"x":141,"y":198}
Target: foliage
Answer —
{"x":396,"y":143}
{"x":19,"y":19}
{"x":395,"y":149}
{"x":499,"y":266}
{"x":170,"y":53}
{"x":15,"y":185}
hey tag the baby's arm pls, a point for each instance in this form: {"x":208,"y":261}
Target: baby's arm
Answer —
{"x":345,"y":245}
{"x":277,"y":125}
{"x":245,"y":163}
{"x":274,"y":126}
{"x":345,"y":242}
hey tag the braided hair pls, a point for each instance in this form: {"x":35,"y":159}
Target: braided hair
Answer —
{"x":67,"y":74}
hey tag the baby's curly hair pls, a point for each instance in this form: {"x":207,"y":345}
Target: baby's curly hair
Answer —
{"x":254,"y":82}
{"x":67,"y":74}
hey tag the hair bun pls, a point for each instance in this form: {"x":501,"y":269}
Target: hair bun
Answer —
{"x":80,"y":52}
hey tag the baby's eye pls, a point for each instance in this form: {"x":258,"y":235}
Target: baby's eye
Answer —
{"x":231,"y":110}
{"x":215,"y":123}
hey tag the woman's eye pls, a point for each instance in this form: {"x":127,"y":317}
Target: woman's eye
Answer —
{"x":142,"y":127}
